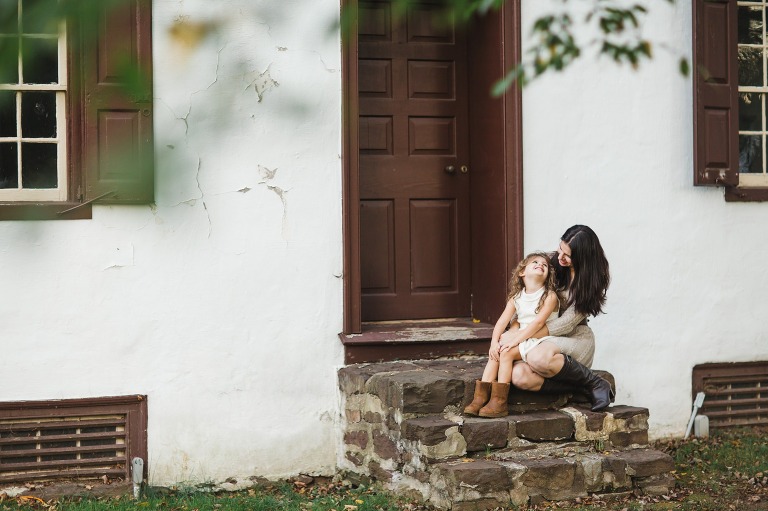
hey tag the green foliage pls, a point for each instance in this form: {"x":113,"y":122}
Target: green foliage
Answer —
{"x":555,"y":47}
{"x":618,"y":28}
{"x":619,"y":38}
{"x":82,"y":17}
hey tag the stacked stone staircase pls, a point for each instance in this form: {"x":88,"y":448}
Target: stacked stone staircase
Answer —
{"x":403,"y":426}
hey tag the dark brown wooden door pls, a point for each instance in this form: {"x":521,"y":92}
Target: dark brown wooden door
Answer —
{"x":414,"y":157}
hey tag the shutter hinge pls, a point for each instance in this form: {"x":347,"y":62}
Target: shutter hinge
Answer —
{"x":86,"y":202}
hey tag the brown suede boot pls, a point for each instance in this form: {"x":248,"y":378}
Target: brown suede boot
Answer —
{"x":497,"y":405}
{"x":482,"y":393}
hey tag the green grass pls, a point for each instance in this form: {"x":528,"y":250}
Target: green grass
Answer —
{"x":727,"y":472}
{"x":281,"y":496}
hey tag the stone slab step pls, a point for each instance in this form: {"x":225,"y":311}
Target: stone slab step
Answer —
{"x":486,"y":483}
{"x":373,"y":436}
{"x":432,"y":386}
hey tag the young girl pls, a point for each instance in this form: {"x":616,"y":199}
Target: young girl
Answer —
{"x":533,"y":298}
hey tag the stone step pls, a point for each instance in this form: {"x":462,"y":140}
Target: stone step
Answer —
{"x":618,"y":426}
{"x":434,"y":386}
{"x":474,"y":484}
{"x":402,"y":425}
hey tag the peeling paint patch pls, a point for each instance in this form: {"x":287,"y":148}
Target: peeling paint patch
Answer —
{"x":267,"y":174}
{"x":281,"y":193}
{"x":244,"y":190}
{"x":263,"y":83}
{"x":120,"y":257}
{"x":282,"y":48}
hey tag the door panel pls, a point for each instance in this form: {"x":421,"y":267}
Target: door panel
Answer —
{"x":433,"y":245}
{"x":413,"y":127}
{"x":376,"y":232}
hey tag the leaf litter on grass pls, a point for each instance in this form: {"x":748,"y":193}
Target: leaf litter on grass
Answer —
{"x":728,"y":472}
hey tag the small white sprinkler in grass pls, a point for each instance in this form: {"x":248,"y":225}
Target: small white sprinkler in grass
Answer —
{"x":696,"y":405}
{"x":137,"y":466}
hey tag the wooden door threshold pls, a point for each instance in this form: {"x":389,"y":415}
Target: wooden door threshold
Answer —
{"x":384,"y":341}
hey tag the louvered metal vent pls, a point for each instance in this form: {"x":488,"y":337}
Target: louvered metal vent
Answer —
{"x":72,"y":439}
{"x":737,"y":394}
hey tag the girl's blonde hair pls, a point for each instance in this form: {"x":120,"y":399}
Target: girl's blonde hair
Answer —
{"x":516,"y":284}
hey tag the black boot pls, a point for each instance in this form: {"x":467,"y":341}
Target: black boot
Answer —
{"x":576,"y":373}
{"x":551,"y":386}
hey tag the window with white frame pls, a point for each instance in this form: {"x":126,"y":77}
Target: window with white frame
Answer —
{"x":752,"y":92}
{"x":33,"y":126}
{"x":76,"y":107}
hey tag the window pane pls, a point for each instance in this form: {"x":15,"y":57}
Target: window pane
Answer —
{"x":7,"y":113}
{"x":36,"y":17}
{"x":38,"y":165}
{"x":750,"y":118}
{"x":9,"y":17}
{"x":40,"y":60}
{"x":38,"y":114}
{"x":750,"y":153}
{"x":750,"y":25}
{"x":751,"y":67}
{"x":9,"y":59}
{"x":9,"y":176}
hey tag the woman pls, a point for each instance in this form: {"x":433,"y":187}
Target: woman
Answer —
{"x":562,"y":360}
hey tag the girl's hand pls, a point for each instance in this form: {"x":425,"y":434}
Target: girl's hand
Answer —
{"x":493,"y":353}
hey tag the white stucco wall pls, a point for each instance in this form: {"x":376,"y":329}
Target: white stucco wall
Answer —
{"x":223,"y":302}
{"x":688,"y":285}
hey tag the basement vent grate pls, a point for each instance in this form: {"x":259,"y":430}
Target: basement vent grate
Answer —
{"x":71,"y":439}
{"x":737,"y":394}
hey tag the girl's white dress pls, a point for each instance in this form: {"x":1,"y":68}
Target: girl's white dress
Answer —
{"x":525,"y":306}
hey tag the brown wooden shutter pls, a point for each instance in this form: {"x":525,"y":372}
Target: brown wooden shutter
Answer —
{"x":715,"y":91}
{"x":117,"y":84}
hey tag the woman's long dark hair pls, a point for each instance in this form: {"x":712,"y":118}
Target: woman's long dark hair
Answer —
{"x":587,"y":291}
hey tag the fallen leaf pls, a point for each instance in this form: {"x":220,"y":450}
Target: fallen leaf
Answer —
{"x":30,"y":498}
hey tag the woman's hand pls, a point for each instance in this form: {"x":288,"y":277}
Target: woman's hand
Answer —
{"x":510,"y":339}
{"x":509,"y":346}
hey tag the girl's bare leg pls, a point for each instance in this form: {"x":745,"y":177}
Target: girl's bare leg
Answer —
{"x":491,"y":370}
{"x":506,"y":361}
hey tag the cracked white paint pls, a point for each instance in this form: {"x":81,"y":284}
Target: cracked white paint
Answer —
{"x":262,"y":83}
{"x":267,"y":175}
{"x":120,"y":256}
{"x":195,"y":296}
